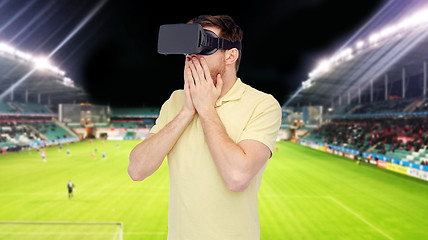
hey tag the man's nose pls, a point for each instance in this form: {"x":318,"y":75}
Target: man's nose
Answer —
{"x":190,"y":56}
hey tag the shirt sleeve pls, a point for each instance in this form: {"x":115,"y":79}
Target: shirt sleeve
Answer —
{"x":264,"y":123}
{"x":162,"y":120}
{"x":168,"y":110}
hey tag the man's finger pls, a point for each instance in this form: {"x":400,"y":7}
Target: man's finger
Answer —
{"x":194,"y":73}
{"x":206,"y":69}
{"x":200,"y":71}
{"x":188,"y":78}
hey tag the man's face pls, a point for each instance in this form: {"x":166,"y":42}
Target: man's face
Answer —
{"x":215,"y":61}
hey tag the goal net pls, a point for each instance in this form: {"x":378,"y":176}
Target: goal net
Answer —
{"x":61,"y":230}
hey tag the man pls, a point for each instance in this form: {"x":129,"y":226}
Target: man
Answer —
{"x":218,"y":134}
{"x":43,"y":155}
{"x":70,"y":187}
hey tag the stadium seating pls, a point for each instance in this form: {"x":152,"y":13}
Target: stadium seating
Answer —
{"x":131,"y":123}
{"x":134,"y":112}
{"x":125,"y":124}
{"x":399,"y":138}
{"x":51,"y":130}
{"x":23,"y":125}
{"x":385,"y":106}
{"x":391,"y":108}
{"x":395,"y":129}
{"x":32,"y":108}
{"x":6,"y":108}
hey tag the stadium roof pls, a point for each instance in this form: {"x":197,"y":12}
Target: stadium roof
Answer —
{"x":401,"y":43}
{"x":22,"y":81}
{"x":112,"y":44}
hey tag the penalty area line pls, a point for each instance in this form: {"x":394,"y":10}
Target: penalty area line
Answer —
{"x":360,"y":217}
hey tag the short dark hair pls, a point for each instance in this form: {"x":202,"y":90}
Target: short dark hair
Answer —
{"x":228,"y":27}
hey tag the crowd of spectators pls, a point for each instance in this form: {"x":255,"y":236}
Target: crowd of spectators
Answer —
{"x":12,"y":129}
{"x":410,"y":134}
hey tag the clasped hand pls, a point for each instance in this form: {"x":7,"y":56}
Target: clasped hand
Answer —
{"x":200,"y":92}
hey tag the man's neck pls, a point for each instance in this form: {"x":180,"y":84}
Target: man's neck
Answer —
{"x":228,"y":82}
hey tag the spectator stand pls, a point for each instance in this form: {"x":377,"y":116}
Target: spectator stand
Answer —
{"x":132,"y":123}
{"x":28,"y":125}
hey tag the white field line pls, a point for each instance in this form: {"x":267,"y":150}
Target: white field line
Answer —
{"x":82,"y":233}
{"x":145,"y":233}
{"x":360,"y":217}
{"x":86,"y":194}
{"x":117,"y":234}
{"x":290,"y":196}
{"x":333,"y":200}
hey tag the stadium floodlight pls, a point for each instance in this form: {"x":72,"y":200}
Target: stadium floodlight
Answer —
{"x":307,"y":84}
{"x":374,"y":38}
{"x":345,"y":54}
{"x":23,"y":55}
{"x":388,"y":31}
{"x":323,"y":67}
{"x":41,"y":63}
{"x":56,"y":70}
{"x":68,"y":82}
{"x":406,"y":31}
{"x":411,"y":21}
{"x":360,"y":44}
{"x":6,"y":48}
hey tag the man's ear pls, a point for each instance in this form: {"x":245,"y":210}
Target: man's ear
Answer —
{"x":231,"y":56}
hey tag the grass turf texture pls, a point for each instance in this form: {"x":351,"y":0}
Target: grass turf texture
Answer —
{"x":305,"y":194}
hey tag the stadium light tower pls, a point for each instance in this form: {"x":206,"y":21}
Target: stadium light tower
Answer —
{"x":388,"y":37}
{"x":375,"y":39}
{"x":42,"y":63}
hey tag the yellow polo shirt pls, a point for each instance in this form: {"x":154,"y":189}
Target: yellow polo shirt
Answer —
{"x":201,"y":207}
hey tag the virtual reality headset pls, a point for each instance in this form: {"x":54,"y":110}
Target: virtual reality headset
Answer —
{"x":191,"y":38}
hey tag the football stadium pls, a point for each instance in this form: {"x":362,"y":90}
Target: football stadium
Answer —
{"x":350,"y":160}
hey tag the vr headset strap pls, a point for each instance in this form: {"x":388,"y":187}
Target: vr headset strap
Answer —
{"x":226,"y":44}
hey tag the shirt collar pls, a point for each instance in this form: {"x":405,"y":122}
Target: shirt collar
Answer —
{"x":234,"y":93}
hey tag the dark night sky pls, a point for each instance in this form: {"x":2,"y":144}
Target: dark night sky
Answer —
{"x":113,"y":56}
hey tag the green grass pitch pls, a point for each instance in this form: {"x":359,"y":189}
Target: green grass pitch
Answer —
{"x":305,"y":194}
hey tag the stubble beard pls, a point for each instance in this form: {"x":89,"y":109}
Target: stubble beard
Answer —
{"x":215,"y":71}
